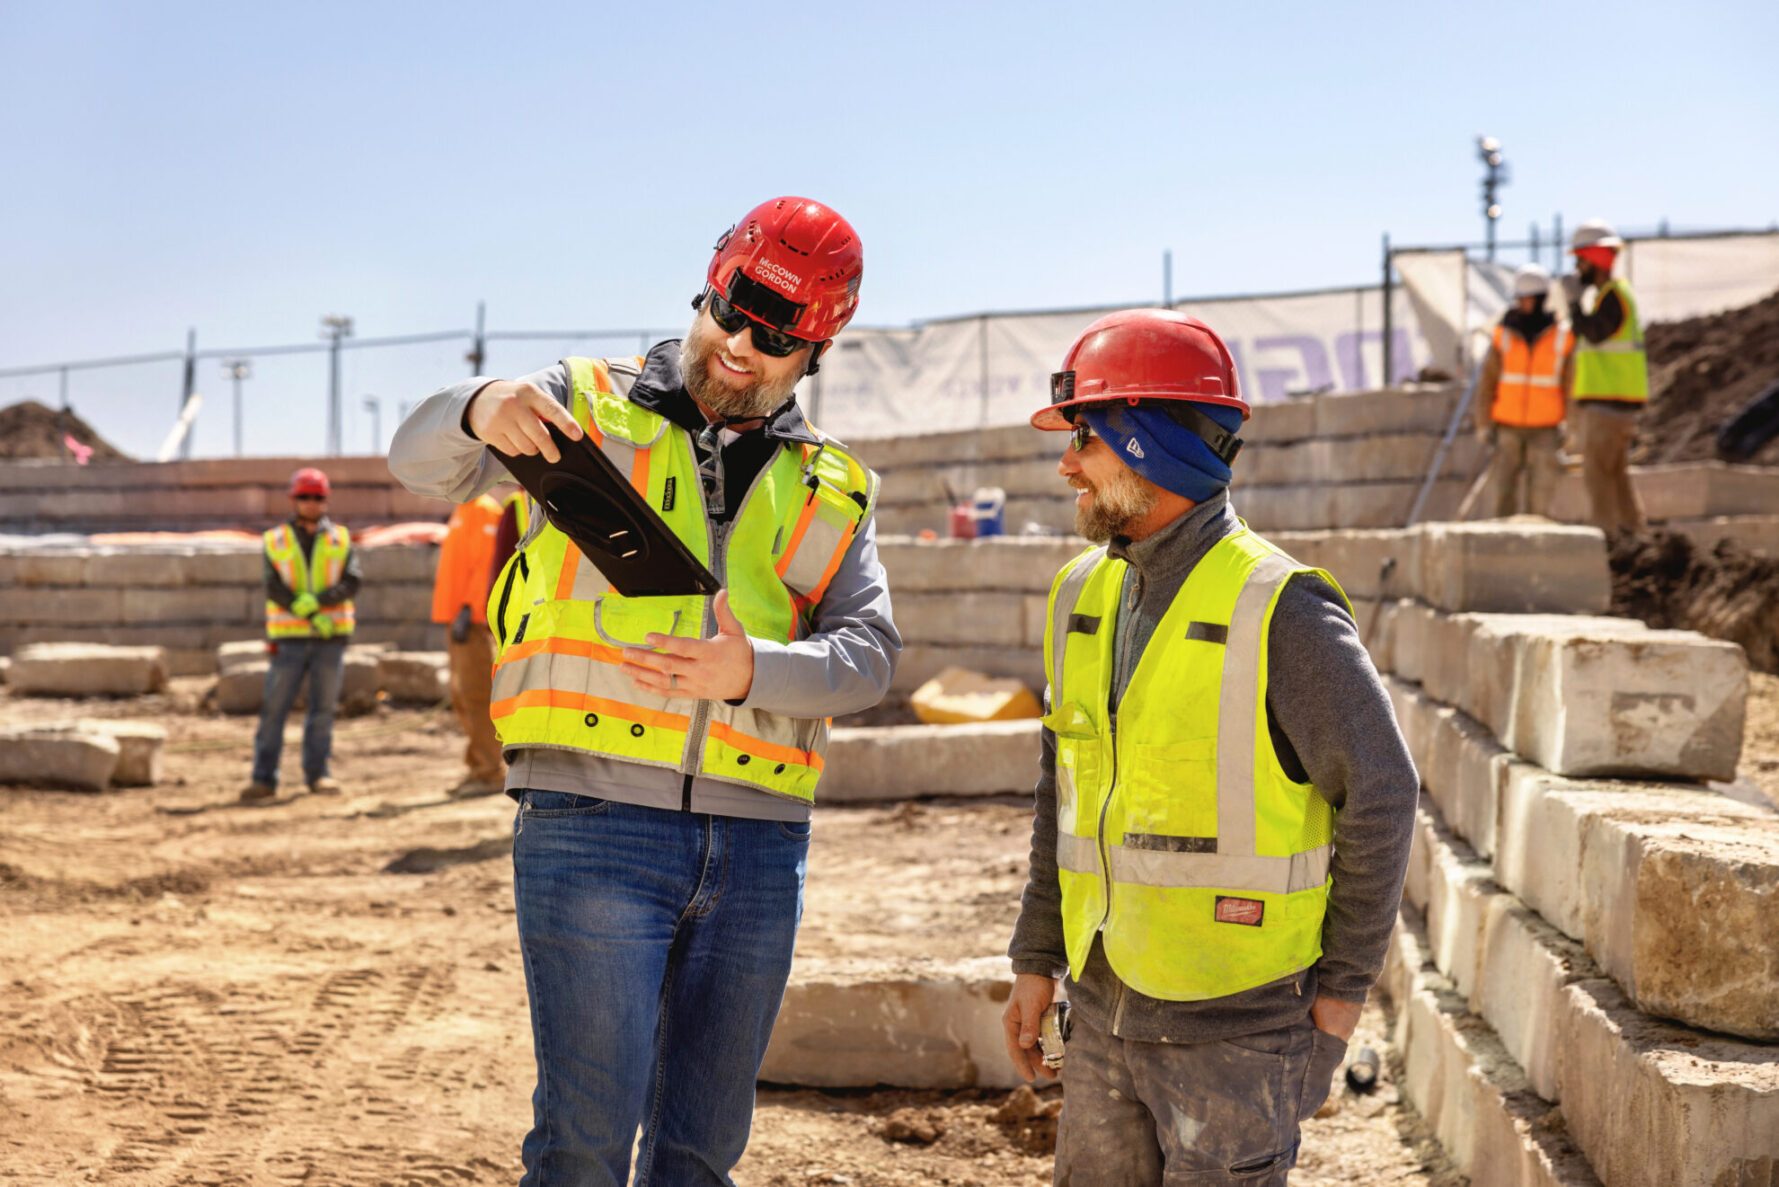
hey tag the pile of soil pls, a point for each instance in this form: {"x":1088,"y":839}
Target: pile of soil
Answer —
{"x":1726,"y":592}
{"x":31,"y":430}
{"x":1702,"y":372}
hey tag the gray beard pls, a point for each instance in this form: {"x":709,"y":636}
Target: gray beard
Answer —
{"x":1115,"y":506}
{"x":758,"y":399}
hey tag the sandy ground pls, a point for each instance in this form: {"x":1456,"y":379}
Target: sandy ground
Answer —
{"x":327,"y":990}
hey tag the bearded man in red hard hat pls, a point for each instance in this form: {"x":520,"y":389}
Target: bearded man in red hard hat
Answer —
{"x":311,"y":576}
{"x":664,"y":751}
{"x":1225,"y":802}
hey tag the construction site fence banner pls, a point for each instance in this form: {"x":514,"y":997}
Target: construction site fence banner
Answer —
{"x":995,"y":369}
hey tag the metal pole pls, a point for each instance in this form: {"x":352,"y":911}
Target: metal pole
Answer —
{"x":375,"y":407}
{"x":1389,"y":370}
{"x":478,"y":353}
{"x":1534,"y":238}
{"x":62,"y":417}
{"x":333,"y":397}
{"x":1445,"y":444}
{"x":982,"y":344}
{"x":1556,"y":244}
{"x":1167,"y":279}
{"x":189,"y":385}
{"x":236,"y":375}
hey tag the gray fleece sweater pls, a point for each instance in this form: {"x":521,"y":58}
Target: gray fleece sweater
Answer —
{"x":1330,"y":720}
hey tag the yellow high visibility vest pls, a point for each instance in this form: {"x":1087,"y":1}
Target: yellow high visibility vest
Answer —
{"x":308,"y":575}
{"x":1618,"y":368}
{"x":1529,"y":393}
{"x":560,"y":628}
{"x":1180,"y":838}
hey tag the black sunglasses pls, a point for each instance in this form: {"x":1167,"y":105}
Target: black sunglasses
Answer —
{"x":1082,"y":435}
{"x":310,"y":498}
{"x":767,"y":340}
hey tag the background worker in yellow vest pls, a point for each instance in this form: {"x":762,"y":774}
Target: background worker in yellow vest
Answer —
{"x":1611,"y":382}
{"x":1522,"y":397}
{"x":311,"y":576}
{"x":664,"y":751}
{"x":1224,"y":803}
{"x":469,"y":559}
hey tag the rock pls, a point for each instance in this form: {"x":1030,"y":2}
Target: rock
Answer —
{"x":1021,"y":1104}
{"x":415,"y":677}
{"x":241,"y":688}
{"x":57,"y":756}
{"x":908,"y":1125}
{"x":869,"y":763}
{"x":139,"y":749}
{"x":88,"y":670}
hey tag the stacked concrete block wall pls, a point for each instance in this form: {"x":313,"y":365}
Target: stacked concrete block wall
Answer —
{"x":188,"y":596}
{"x":39,"y":497}
{"x":1587,"y":977}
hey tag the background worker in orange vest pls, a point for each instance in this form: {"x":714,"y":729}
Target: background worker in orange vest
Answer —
{"x":312,"y":575}
{"x":468,"y":561}
{"x":1524,"y":389}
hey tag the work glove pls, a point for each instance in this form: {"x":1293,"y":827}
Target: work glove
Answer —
{"x":324,"y":626}
{"x":1570,"y":283}
{"x":304,"y":604}
{"x":460,"y":625}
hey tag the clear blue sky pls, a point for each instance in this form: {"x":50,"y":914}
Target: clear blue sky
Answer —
{"x":246,"y":168}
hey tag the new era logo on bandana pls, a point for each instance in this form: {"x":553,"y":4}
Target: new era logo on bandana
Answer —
{"x":1246,"y":911}
{"x":1131,"y":447}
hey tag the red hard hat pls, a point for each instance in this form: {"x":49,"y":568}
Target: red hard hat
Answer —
{"x":309,"y":481}
{"x":793,"y":264}
{"x":1143,"y":354}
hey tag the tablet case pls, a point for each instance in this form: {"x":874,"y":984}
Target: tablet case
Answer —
{"x":595,"y":506}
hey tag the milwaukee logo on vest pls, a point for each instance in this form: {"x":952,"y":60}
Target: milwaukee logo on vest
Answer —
{"x":783,"y":277}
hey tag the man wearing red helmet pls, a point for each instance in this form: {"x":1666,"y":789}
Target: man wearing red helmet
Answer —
{"x":311,"y":576}
{"x":1225,"y":802}
{"x":665,"y":751}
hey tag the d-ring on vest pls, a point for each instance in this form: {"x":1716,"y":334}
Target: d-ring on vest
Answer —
{"x":1180,"y":838}
{"x":560,"y":628}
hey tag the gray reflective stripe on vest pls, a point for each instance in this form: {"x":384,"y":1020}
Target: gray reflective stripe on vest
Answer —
{"x":1077,"y":855}
{"x":1224,"y":871}
{"x":574,"y":674}
{"x":1239,"y":707}
{"x":1066,"y":596}
{"x":1611,"y":346}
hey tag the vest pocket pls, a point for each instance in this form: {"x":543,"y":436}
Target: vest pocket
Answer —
{"x":1168,"y":793}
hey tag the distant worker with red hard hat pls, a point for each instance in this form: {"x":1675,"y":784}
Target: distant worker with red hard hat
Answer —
{"x":1224,"y":803}
{"x":311,"y":576}
{"x":1523,"y":397}
{"x":479,"y":539}
{"x":1611,"y":383}
{"x":665,"y":751}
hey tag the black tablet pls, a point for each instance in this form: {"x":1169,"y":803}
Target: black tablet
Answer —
{"x":591,"y":503}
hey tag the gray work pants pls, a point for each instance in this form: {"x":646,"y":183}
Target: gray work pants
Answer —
{"x":1606,"y":430}
{"x":1138,"y":1114}
{"x":1531,"y":453}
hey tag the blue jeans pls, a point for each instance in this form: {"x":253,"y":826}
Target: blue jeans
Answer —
{"x":656,"y":946}
{"x":324,"y":662}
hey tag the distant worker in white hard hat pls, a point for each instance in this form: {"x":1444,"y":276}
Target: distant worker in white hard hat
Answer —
{"x":1611,"y":382}
{"x":1524,"y":395}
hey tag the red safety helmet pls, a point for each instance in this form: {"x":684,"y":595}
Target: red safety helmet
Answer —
{"x":309,"y":481}
{"x":1142,"y":354}
{"x":793,"y":264}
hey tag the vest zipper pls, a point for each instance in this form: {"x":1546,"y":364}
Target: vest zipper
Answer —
{"x":1119,"y":660}
{"x":717,"y":538}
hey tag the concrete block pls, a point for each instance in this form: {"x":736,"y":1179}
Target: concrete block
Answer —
{"x":1662,"y":703}
{"x":241,"y":688}
{"x":420,"y":677}
{"x":1375,"y":562}
{"x":887,"y":454}
{"x":1285,"y":508}
{"x":1414,"y":625}
{"x":1393,"y":410}
{"x":1037,"y":619}
{"x":88,"y":669}
{"x":1461,"y":896}
{"x":230,"y":656}
{"x":920,"y":662}
{"x":1658,"y":1105}
{"x":1377,"y":629}
{"x":1514,"y":567}
{"x":982,"y":618}
{"x":897,"y":762}
{"x":136,"y":569}
{"x":400,"y":563}
{"x":1395,"y":457}
{"x":1757,"y":533}
{"x":1523,"y":966}
{"x":926,"y":484}
{"x":1387,"y":504}
{"x":1277,"y":465}
{"x":57,"y":756}
{"x":1026,"y":564}
{"x":1291,"y":420}
{"x":242,"y":567}
{"x":919,"y":1024}
{"x":31,"y":568}
{"x":1463,"y":776}
{"x":74,"y":606}
{"x":194,"y":603}
{"x":358,"y":681}
{"x":1415,"y":717}
{"x":1416,"y":882}
{"x":1445,"y":660}
{"x":139,"y":746}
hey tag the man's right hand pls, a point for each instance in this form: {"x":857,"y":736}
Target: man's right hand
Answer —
{"x":513,"y":416}
{"x":1032,"y":995}
{"x":304,"y":605}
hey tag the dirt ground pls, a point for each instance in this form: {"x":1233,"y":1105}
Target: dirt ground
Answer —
{"x":1726,"y":591}
{"x":1702,"y":371}
{"x":30,"y":429}
{"x":328,"y":991}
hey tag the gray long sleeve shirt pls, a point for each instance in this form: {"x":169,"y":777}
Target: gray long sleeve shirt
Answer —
{"x":1330,"y":721}
{"x":842,"y":666}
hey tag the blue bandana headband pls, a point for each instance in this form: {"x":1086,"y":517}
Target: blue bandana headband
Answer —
{"x":1161,"y":449}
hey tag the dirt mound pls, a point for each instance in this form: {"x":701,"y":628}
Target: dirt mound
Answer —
{"x":1702,"y":371}
{"x":30,"y":430}
{"x":1726,"y":592}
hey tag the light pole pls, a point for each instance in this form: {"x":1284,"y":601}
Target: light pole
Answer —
{"x":375,"y":407}
{"x":237,"y":370}
{"x":1488,"y":151}
{"x":334,"y":328}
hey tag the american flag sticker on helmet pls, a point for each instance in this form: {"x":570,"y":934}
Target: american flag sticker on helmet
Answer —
{"x":1246,"y":911}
